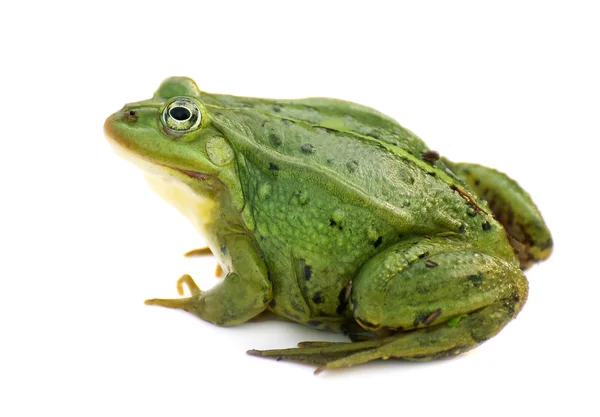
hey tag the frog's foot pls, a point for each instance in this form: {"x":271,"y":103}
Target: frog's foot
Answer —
{"x":513,"y":208}
{"x":321,"y":354}
{"x":181,"y":303}
{"x":198,"y":252}
{"x":443,"y":340}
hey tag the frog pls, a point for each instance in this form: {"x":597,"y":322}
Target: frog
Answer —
{"x":330,"y":214}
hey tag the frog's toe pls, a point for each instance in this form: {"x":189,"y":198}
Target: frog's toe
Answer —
{"x":198,"y":252}
{"x":350,"y":360}
{"x":318,"y":344}
{"x":189,"y":282}
{"x":321,"y":354}
{"x":219,"y":271}
{"x":180,"y":303}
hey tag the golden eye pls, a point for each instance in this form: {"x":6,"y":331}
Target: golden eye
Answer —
{"x":182,"y":115}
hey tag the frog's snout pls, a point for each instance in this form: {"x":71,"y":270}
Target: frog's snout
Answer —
{"x":116,"y":123}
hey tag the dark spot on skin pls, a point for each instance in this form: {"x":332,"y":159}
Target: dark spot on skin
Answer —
{"x":272,"y":304}
{"x":317,"y":297}
{"x":400,"y":236}
{"x":286,"y":122}
{"x":333,"y":223}
{"x":265,"y":300}
{"x":477,"y":182}
{"x":378,"y":241}
{"x":431,"y":264}
{"x":354,"y":306}
{"x":433,"y":174}
{"x":486,"y":226}
{"x":273,"y":167}
{"x":275,"y":140}
{"x":308,"y":148}
{"x":224,"y":249}
{"x":430,"y":156}
{"x":307,"y":272}
{"x":263,"y":123}
{"x":471,"y":212}
{"x":314,"y":323}
{"x":330,"y":161}
{"x":462,"y":228}
{"x":476,"y":279}
{"x":424,"y":254}
{"x":432,"y":317}
{"x":276,"y":109}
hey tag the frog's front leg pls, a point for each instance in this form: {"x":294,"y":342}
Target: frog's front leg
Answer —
{"x":437,"y":297}
{"x":243,"y":294}
{"x":512,"y":207}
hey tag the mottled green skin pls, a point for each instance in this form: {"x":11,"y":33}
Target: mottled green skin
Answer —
{"x":330,"y":214}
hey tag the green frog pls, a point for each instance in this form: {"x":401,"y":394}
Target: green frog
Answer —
{"x":330,"y":214}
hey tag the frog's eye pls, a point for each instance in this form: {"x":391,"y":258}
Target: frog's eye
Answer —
{"x":182,"y":115}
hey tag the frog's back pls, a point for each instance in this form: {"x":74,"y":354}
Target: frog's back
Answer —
{"x":333,"y":114}
{"x":351,"y":150}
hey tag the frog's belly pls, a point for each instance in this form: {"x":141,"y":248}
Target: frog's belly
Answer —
{"x":199,"y":210}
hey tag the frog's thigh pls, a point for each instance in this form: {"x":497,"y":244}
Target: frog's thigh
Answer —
{"x":458,"y":296}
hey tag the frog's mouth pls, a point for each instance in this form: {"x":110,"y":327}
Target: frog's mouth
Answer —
{"x":153,"y":168}
{"x":175,"y":185}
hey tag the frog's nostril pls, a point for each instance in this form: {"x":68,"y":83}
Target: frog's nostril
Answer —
{"x":132,"y":116}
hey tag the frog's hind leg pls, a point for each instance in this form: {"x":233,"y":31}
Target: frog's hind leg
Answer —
{"x":435,"y":298}
{"x":513,"y":208}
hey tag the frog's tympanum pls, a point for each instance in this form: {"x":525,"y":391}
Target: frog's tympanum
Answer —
{"x":331,"y":214}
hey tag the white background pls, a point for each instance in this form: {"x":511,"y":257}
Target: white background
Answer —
{"x":83,"y":241}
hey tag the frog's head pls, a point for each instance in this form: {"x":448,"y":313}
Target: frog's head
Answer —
{"x":170,"y":134}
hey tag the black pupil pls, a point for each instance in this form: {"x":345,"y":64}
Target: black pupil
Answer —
{"x":180,"y":113}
